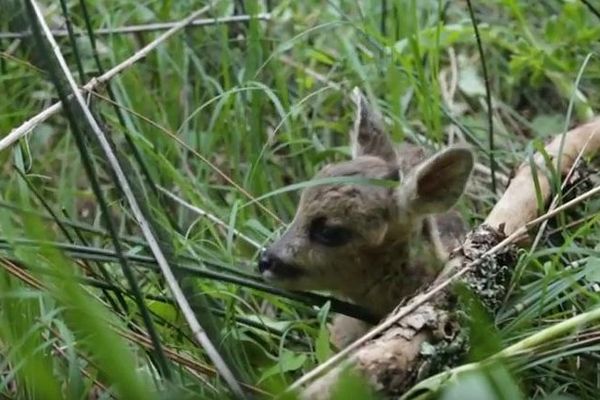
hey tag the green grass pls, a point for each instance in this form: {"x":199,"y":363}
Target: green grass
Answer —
{"x":222,"y":115}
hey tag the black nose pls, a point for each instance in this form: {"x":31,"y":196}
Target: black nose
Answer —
{"x":277,"y":268}
{"x":267,"y":262}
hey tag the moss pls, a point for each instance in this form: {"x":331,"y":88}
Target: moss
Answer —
{"x":490,"y":278}
{"x":488,"y":281}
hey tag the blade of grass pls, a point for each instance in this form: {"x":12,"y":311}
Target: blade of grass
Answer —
{"x":72,"y":41}
{"x":488,"y":96}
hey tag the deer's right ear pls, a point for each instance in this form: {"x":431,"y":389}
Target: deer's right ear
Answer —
{"x":368,"y":136}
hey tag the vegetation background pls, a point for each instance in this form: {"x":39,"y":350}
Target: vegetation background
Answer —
{"x":217,"y":129}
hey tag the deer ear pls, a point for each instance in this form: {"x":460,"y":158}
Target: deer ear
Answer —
{"x":436,"y":184}
{"x":368,"y":136}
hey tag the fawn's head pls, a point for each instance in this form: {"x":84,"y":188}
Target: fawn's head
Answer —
{"x":342,"y":232}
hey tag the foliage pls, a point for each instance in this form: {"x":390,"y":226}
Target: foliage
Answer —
{"x":226,"y":115}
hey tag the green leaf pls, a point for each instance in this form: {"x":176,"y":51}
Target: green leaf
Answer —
{"x":470,"y":82}
{"x":352,"y":386}
{"x":322,"y":348}
{"x":592,"y":269}
{"x":490,"y":383}
{"x":288,"y":361}
{"x":545,"y":125}
{"x":269,"y":322}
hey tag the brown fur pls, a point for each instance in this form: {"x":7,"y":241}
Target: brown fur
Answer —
{"x":390,"y":244}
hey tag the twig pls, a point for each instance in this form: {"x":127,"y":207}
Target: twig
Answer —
{"x":186,"y":309}
{"x":209,"y":216}
{"x":157,"y":26}
{"x":310,"y":72}
{"x":26,"y":64}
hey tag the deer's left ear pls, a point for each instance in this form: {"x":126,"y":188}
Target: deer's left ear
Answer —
{"x":368,"y":136}
{"x":437,"y":183}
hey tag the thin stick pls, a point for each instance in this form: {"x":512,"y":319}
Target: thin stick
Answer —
{"x":197,"y":330}
{"x":310,"y":72}
{"x":210,"y":217}
{"x":157,"y":26}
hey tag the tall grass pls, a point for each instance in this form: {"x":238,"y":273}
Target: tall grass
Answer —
{"x":225,"y":114}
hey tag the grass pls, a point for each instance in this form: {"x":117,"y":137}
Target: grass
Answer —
{"x":225,"y":114}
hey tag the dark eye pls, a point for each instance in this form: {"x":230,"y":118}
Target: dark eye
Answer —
{"x":329,"y":235}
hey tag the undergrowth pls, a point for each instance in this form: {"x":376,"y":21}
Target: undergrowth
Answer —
{"x":222,"y":117}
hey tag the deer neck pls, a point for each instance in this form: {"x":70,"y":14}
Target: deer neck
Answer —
{"x":394,"y":271}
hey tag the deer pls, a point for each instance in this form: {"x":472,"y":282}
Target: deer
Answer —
{"x":373,"y":245}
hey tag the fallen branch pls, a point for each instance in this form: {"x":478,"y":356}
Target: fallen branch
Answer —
{"x":518,"y":204}
{"x":390,"y":356}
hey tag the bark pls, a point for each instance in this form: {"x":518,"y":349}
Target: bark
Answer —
{"x":430,"y":337}
{"x":518,"y":204}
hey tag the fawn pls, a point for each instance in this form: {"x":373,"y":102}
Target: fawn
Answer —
{"x":373,"y":245}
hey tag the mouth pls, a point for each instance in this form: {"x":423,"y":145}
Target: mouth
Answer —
{"x":282,"y":272}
